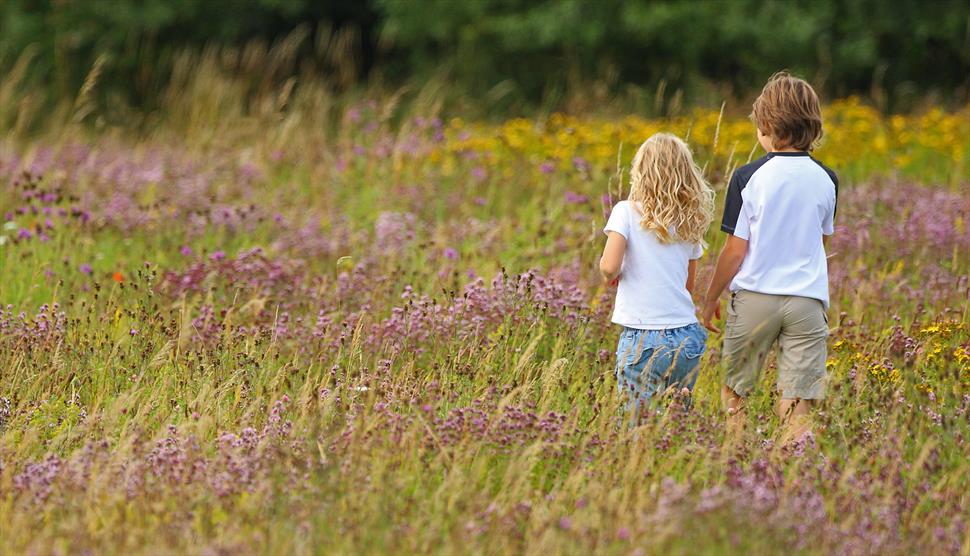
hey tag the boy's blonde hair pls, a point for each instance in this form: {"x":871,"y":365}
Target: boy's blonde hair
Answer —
{"x":788,"y":111}
{"x":667,"y":187}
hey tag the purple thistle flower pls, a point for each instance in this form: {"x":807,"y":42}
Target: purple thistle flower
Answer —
{"x":340,"y":165}
{"x":580,"y":164}
{"x":576,"y":198}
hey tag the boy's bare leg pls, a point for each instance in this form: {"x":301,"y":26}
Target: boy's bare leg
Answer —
{"x":736,"y":416}
{"x":796,"y":418}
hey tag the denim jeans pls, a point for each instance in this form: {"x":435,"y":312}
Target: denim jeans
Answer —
{"x":652,"y":361}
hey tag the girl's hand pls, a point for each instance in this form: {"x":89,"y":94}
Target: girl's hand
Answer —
{"x":614,"y":282}
{"x":712,"y":310}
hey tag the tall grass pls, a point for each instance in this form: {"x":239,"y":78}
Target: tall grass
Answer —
{"x":284,"y":320}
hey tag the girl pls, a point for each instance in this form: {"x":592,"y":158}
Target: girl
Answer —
{"x":653,"y":242}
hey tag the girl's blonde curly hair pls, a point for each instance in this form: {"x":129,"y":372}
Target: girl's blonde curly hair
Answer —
{"x":667,"y":187}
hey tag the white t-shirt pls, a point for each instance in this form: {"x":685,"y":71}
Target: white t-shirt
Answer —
{"x":652,"y":293}
{"x":787,"y":205}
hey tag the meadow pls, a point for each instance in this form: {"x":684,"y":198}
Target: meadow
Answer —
{"x":303,"y":325}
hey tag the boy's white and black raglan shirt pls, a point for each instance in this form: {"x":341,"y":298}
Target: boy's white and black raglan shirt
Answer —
{"x":783,"y":204}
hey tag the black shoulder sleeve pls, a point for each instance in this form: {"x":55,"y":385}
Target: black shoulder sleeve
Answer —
{"x":835,"y":182}
{"x":732,"y":203}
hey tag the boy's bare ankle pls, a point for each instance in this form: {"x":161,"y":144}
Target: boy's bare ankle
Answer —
{"x":795,"y":428}
{"x":730,"y":399}
{"x":796,"y":419}
{"x":736,"y":416}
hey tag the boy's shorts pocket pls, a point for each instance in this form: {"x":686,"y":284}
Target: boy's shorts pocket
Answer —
{"x":735,"y":303}
{"x":732,"y":311}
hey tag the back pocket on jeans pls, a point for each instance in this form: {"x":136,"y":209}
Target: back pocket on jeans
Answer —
{"x":694,"y":343}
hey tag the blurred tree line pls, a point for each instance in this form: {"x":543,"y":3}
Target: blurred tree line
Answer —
{"x":529,"y":51}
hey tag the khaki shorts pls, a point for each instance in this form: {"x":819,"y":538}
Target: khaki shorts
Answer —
{"x":755,"y":321}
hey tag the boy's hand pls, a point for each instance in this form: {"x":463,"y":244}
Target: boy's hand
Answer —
{"x":728,"y":264}
{"x":711,"y":310}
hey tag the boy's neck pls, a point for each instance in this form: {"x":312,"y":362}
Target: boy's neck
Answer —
{"x":787,"y":150}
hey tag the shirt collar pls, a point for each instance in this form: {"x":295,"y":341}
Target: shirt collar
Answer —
{"x":798,"y":153}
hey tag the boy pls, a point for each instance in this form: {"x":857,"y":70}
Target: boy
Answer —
{"x":777,"y":211}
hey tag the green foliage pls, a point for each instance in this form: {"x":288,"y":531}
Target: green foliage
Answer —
{"x":139,"y":38}
{"x":514,"y":51}
{"x":843,"y":45}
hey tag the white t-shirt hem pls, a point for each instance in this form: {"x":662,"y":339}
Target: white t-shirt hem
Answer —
{"x":656,"y":326}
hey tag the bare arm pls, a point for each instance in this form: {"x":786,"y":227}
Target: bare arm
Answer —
{"x":691,"y":276}
{"x":728,"y":265}
{"x":612,"y":259}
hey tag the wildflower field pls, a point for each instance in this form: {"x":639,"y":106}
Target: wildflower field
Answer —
{"x":324,"y":327}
